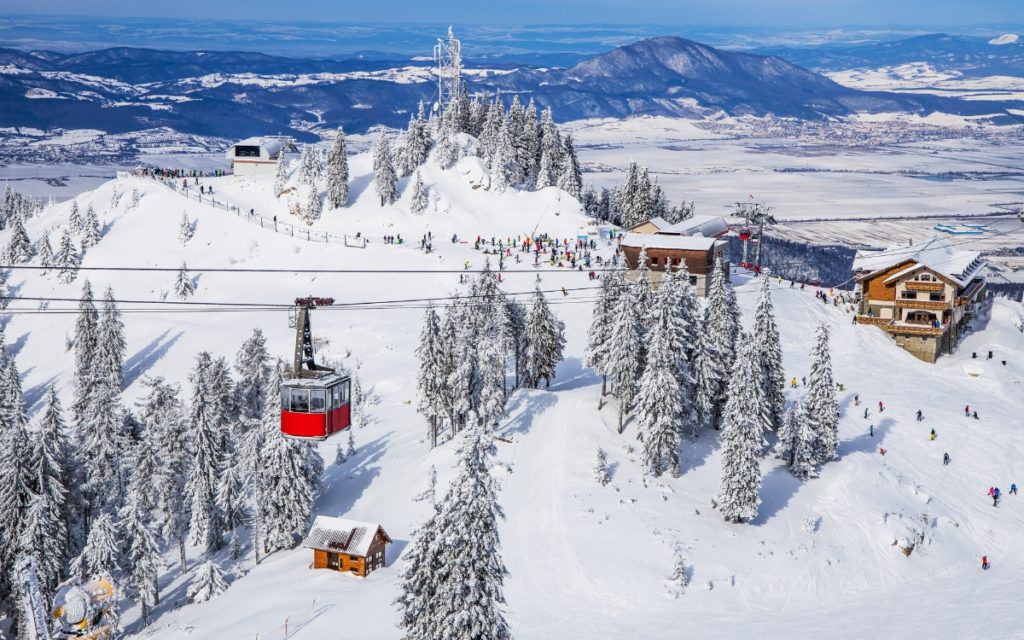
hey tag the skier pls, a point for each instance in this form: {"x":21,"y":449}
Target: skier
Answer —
{"x":871,"y":430}
{"x":933,"y":434}
{"x":974,"y":415}
{"x":804,"y":380}
{"x":793,"y":383}
{"x":856,"y":400}
{"x":881,"y":451}
{"x":984,"y":562}
{"x":945,"y":459}
{"x":865,"y":413}
{"x":1013,"y":489}
{"x":967,"y":411}
{"x":881,"y":407}
{"x":920,"y":416}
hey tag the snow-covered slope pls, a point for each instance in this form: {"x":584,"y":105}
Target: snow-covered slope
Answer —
{"x":585,"y":561}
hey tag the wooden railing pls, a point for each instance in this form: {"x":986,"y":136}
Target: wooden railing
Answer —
{"x":929,"y":305}
{"x":922,"y":330}
{"x":917,"y":285}
{"x":875,"y":320}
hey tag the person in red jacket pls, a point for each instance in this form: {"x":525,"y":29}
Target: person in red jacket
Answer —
{"x":984,"y":562}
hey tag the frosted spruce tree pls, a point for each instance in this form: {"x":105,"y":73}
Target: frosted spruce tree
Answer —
{"x":36,"y":539}
{"x":797,"y":442}
{"x":720,"y":331}
{"x":208,"y":583}
{"x":601,"y":325}
{"x":420,"y":197}
{"x":102,"y":549}
{"x":545,"y":172}
{"x":67,"y":261}
{"x":90,"y":229}
{"x":19,"y":248}
{"x":623,"y":360}
{"x":337,"y":173}
{"x":313,"y":207}
{"x":492,"y":373}
{"x":773,"y":377}
{"x":49,"y":476}
{"x":738,"y":498}
{"x":141,"y":557}
{"x":571,"y":178}
{"x":309,"y":165}
{"x":659,"y":400}
{"x":545,"y":342}
{"x":253,"y":366}
{"x":385,"y":179}
{"x":280,"y":175}
{"x":672,"y":300}
{"x":111,"y":344}
{"x":460,"y":598}
{"x":44,"y":251}
{"x":822,"y":405}
{"x":206,"y":523}
{"x":101,"y":442}
{"x":434,"y":368}
{"x":502,"y":164}
{"x":87,"y":338}
{"x":229,"y":493}
{"x":75,"y":218}
{"x":601,"y":468}
{"x":185,"y":229}
{"x":184,"y":284}
{"x":15,"y":476}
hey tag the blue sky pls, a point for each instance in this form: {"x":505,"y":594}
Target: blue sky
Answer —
{"x":924,"y":14}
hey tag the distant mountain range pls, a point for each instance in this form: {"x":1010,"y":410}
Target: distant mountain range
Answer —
{"x":966,"y":55}
{"x":232,"y":95}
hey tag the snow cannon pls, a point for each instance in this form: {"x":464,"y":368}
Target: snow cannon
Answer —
{"x":86,"y":611}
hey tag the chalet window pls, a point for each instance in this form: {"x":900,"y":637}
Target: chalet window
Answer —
{"x":909,"y":295}
{"x":247,"y":151}
{"x":693,"y":280}
{"x":936,"y":296}
{"x":654,"y":260}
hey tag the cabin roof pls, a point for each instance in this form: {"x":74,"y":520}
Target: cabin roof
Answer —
{"x":659,"y":241}
{"x":697,"y":225}
{"x":342,"y":535}
{"x":938,"y":254}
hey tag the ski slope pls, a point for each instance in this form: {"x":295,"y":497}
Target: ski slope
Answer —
{"x":584,"y":561}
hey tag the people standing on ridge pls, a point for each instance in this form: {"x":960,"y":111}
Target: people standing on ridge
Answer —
{"x":1013,"y":489}
{"x":920,"y":416}
{"x":856,"y":400}
{"x":871,"y":430}
{"x":865,"y":413}
{"x":967,"y":411}
{"x":945,"y":459}
{"x":984,"y":562}
{"x":881,"y":406}
{"x":933,"y":434}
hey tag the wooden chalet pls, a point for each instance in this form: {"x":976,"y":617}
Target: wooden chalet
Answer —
{"x":922,"y":294}
{"x":347,"y":545}
{"x":698,"y":252}
{"x":707,"y":226}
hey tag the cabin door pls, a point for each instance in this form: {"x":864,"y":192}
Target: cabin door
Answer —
{"x":334,"y":561}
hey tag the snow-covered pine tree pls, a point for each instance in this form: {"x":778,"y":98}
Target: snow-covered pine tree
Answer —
{"x":629,"y":194}
{"x":19,"y":248}
{"x":162,"y":417}
{"x":36,"y":539}
{"x":545,"y":172}
{"x":720,"y":330}
{"x":601,"y":325}
{"x":679,"y":579}
{"x":659,"y":400}
{"x":309,"y":165}
{"x":339,"y":455}
{"x":419,"y":198}
{"x":67,"y":260}
{"x":229,"y":493}
{"x":313,"y":208}
{"x":284,"y":486}
{"x":44,"y":251}
{"x":111,"y":344}
{"x":488,"y":139}
{"x":688,"y":312}
{"x":492,"y":371}
{"x":206,"y":522}
{"x":502,"y":165}
{"x":100,"y":443}
{"x":90,"y":229}
{"x":643,"y":293}
{"x":75,"y":218}
{"x":253,"y":366}
{"x":350,"y":449}
{"x":551,"y":140}
{"x":102,"y":549}
{"x":464,"y":379}
{"x":385,"y":179}
{"x":447,"y":150}
{"x":545,"y":342}
{"x":185,"y":230}
{"x":49,"y":476}
{"x":87,"y":339}
{"x":136,"y":197}
{"x":184,"y":284}
{"x":337,"y":172}
{"x":601,"y":468}
{"x":738,"y":499}
{"x":433,"y":371}
{"x":419,"y":580}
{"x":821,"y":402}
{"x":280,"y":175}
{"x":468,"y":593}
{"x":208,"y":583}
{"x":141,"y":557}
{"x":570,"y":179}
{"x":515,"y":332}
{"x":623,"y":359}
{"x":800,"y":444}
{"x":15,"y":473}
{"x":773,"y":377}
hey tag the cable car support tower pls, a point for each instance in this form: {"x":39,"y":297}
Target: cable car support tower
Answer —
{"x":304,"y":363}
{"x":448,"y":61}
{"x":754,"y":214}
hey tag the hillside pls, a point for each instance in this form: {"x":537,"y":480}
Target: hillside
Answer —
{"x":584,"y":560}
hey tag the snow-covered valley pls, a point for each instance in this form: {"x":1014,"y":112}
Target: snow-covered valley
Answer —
{"x":584,"y":560}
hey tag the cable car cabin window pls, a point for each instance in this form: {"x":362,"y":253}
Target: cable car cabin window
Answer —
{"x":317,"y":401}
{"x":285,"y":393}
{"x":335,"y":396}
{"x":299,"y":401}
{"x":344,"y":387}
{"x":246,"y":151}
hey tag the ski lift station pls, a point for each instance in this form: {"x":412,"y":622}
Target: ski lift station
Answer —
{"x":255,"y":156}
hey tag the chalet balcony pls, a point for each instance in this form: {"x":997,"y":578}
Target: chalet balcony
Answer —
{"x":916,"y":285}
{"x":912,"y":329}
{"x":928,"y":305}
{"x":875,"y":320}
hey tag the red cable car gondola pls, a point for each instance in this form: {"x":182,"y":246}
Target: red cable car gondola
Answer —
{"x":316,"y":403}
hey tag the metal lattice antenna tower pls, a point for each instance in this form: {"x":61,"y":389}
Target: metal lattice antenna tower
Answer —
{"x":448,"y":58}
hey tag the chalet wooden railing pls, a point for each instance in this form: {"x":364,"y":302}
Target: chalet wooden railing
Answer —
{"x":912,"y":330}
{"x":915,"y":285}
{"x":930,"y":305}
{"x":875,"y":320}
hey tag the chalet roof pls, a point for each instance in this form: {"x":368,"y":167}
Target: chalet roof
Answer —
{"x":338,"y":534}
{"x":659,"y":241}
{"x":658,"y":222}
{"x":697,"y":225}
{"x":938,"y":254}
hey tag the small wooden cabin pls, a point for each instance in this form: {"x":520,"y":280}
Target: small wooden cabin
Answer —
{"x":699,"y":254}
{"x":347,"y":545}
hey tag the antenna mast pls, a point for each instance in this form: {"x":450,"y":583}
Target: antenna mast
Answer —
{"x":448,"y":58}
